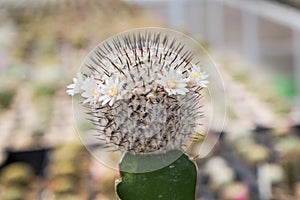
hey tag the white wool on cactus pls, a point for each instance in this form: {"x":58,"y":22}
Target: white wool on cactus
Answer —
{"x":142,"y":93}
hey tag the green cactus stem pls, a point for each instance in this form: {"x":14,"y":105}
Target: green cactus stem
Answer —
{"x":177,"y":180}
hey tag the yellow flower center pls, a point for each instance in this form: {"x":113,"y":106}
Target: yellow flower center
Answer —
{"x":195,"y":75}
{"x":152,"y":86}
{"x":95,"y":93}
{"x":172,"y":83}
{"x":112,"y":91}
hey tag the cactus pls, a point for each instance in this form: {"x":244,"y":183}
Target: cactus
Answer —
{"x":143,"y":96}
{"x":16,"y":181}
{"x":17,"y":174}
{"x":174,"y":181}
{"x":14,"y":193}
{"x":67,"y":171}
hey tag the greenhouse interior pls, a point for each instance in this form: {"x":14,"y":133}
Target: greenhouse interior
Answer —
{"x":252,"y":143}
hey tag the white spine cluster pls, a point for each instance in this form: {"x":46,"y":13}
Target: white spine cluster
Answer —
{"x":143,"y":93}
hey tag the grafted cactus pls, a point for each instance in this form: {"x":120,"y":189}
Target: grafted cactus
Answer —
{"x":142,"y":91}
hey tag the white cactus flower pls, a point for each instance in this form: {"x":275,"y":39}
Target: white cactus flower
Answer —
{"x":75,"y":88}
{"x":111,"y":91}
{"x":90,"y":90}
{"x":197,"y":77}
{"x":139,"y":93}
{"x":173,"y":82}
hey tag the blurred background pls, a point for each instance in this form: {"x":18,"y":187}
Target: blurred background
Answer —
{"x":254,"y":43}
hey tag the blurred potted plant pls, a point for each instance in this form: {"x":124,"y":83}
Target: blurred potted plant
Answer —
{"x":16,"y":180}
{"x":67,"y":171}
